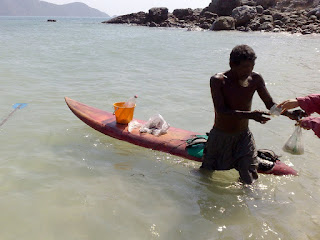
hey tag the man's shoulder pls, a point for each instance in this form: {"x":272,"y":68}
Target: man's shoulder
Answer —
{"x":218,"y":77}
{"x":256,"y":75}
{"x":258,"y":79}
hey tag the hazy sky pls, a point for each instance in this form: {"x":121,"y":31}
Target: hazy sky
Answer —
{"x":119,"y":7}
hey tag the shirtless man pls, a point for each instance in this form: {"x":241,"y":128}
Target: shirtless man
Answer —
{"x":230,"y":143}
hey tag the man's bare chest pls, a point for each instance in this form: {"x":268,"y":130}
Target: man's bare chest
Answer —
{"x":237,"y":96}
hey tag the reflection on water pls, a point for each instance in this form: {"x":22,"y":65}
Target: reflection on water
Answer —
{"x":228,"y":205}
{"x":123,"y":166}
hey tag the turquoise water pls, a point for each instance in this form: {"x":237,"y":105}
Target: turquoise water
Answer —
{"x":60,"y":179}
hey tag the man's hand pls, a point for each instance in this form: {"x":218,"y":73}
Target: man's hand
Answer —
{"x":259,"y":116}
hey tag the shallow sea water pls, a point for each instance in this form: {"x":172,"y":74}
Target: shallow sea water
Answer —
{"x":60,"y":179}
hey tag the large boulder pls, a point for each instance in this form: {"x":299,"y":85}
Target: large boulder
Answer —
{"x":223,"y":7}
{"x":244,"y":14}
{"x":183,"y":14}
{"x":223,"y":23}
{"x":158,"y":15}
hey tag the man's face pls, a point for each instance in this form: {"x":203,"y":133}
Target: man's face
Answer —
{"x":243,"y":70}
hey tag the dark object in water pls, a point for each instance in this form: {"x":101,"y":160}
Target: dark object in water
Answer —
{"x":266,"y":159}
{"x":51,"y":20}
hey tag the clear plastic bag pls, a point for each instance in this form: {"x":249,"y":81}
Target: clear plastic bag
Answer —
{"x":156,"y":125}
{"x":275,"y":111}
{"x":294,"y":144}
{"x":132,"y":125}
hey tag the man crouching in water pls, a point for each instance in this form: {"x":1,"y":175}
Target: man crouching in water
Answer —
{"x":230,"y":143}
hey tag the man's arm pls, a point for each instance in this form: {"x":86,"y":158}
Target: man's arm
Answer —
{"x":268,"y":101}
{"x":221,"y":108}
{"x":263,"y":92}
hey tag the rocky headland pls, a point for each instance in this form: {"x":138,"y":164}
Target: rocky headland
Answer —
{"x":294,"y":16}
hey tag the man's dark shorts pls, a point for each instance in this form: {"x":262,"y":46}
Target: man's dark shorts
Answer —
{"x":225,"y":151}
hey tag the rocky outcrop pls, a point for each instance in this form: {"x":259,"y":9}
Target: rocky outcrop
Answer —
{"x":250,"y":15}
{"x":133,"y":18}
{"x":159,"y":17}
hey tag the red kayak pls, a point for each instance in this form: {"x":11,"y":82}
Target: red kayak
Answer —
{"x":173,"y":142}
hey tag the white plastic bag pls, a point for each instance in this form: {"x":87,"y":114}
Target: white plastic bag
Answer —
{"x":294,"y":144}
{"x":132,"y":125}
{"x":156,"y":125}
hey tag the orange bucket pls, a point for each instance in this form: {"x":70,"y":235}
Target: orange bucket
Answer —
{"x":124,"y":115}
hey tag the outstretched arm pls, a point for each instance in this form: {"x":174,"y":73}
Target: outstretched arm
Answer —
{"x":268,"y":101}
{"x":310,"y":103}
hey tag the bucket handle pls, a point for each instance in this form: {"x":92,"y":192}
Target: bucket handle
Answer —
{"x":116,"y":109}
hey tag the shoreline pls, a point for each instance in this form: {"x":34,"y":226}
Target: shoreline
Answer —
{"x":244,"y":18}
{"x":226,"y":31}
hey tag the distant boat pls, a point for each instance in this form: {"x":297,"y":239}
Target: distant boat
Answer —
{"x":51,"y":20}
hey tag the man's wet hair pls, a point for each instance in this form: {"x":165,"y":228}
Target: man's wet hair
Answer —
{"x":242,"y":53}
